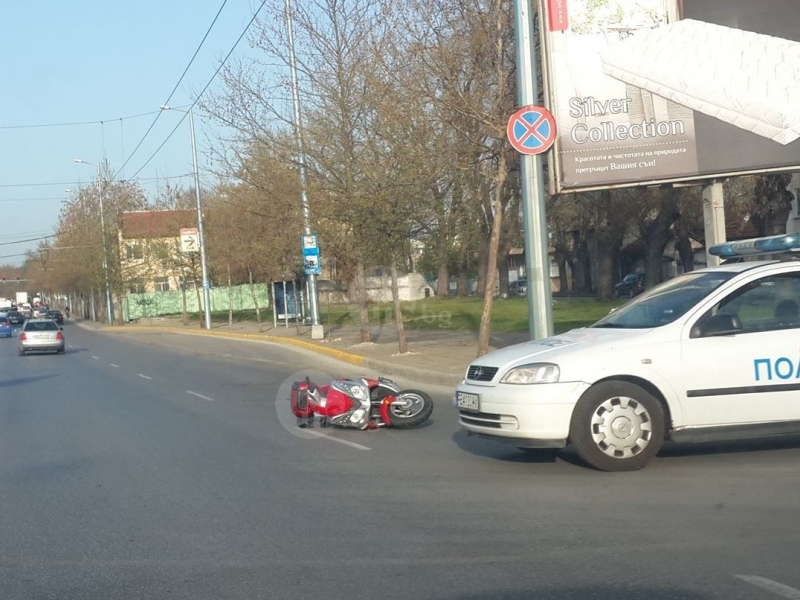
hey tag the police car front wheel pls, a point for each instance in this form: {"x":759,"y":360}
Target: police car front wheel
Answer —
{"x":617,"y":426}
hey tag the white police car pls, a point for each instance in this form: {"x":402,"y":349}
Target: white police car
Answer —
{"x":713,"y":354}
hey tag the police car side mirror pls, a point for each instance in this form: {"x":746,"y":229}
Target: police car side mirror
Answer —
{"x":721,"y":324}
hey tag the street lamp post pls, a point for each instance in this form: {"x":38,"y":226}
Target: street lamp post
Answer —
{"x":200,"y":234}
{"x":313,"y":292}
{"x":109,"y":308}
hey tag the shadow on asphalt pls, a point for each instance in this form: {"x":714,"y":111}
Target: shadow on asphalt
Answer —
{"x":489,"y":449}
{"x":669,"y":452}
{"x":785,"y":442}
{"x":24,"y":380}
{"x":586,"y":592}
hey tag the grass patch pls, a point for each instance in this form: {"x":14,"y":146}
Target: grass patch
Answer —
{"x":509,"y":314}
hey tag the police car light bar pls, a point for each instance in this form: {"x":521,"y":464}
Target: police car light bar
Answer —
{"x":764,"y":245}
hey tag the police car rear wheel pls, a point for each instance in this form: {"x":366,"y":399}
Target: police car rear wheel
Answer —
{"x":617,"y":426}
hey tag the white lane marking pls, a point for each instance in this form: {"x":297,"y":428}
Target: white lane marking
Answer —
{"x":333,"y":439}
{"x":199,"y":395}
{"x":144,"y":376}
{"x":113,"y":365}
{"x":94,"y":357}
{"x":771,"y":586}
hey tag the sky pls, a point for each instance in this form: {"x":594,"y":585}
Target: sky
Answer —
{"x":97,"y":63}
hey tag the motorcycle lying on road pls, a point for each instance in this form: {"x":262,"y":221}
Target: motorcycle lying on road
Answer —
{"x":359,"y":403}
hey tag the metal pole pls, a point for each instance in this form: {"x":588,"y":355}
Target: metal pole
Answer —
{"x":285,"y":307}
{"x":713,"y":219}
{"x":537,"y":247}
{"x":313,"y":295}
{"x":200,"y":236}
{"x":109,"y":308}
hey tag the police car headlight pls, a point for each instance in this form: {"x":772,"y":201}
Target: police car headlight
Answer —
{"x":534,"y":373}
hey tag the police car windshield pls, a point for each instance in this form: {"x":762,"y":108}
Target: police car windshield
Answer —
{"x":666,"y":302}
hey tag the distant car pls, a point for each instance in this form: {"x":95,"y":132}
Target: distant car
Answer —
{"x":41,"y":335}
{"x":632,"y":285}
{"x":5,"y":327}
{"x":40,"y":312}
{"x":55,"y":315}
{"x":16,"y":318}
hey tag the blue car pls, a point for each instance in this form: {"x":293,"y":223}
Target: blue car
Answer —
{"x":5,"y":327}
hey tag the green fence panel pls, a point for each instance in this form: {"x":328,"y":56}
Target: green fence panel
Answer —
{"x":159,"y":304}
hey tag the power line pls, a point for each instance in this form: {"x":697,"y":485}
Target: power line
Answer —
{"x":40,"y":250}
{"x":30,"y":199}
{"x":25,"y":233}
{"x":224,"y":60}
{"x":158,"y":116}
{"x":78,"y":123}
{"x":10,"y":185}
{"x":36,"y":239}
{"x":144,"y":179}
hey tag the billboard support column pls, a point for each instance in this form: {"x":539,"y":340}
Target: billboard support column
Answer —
{"x":713,"y":219}
{"x":793,"y":222}
{"x":537,"y":247}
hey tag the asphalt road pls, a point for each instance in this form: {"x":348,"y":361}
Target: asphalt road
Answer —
{"x":158,"y":466}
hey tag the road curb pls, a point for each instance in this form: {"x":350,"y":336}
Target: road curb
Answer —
{"x":422,"y":375}
{"x":332,"y":352}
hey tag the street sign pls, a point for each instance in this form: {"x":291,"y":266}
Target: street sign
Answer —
{"x":311,"y":265}
{"x":310,"y":244}
{"x":311,"y":254}
{"x":531,"y":130}
{"x":190,"y":241}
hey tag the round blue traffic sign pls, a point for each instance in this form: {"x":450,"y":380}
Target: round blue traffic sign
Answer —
{"x":531,"y":130}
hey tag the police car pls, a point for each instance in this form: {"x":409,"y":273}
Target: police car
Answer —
{"x":710,"y":355}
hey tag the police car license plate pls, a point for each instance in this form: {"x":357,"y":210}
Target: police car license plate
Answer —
{"x":467,"y":401}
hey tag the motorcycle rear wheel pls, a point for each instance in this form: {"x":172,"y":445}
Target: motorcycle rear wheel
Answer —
{"x":413,"y":416}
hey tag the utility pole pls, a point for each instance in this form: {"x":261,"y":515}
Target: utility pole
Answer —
{"x":200,"y":235}
{"x":201,"y":240}
{"x":537,"y":250}
{"x":316,"y":324}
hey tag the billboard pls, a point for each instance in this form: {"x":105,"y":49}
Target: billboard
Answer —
{"x":654,"y":91}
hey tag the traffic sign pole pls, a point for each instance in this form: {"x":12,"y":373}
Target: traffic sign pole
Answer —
{"x":537,"y":250}
{"x":531,"y":130}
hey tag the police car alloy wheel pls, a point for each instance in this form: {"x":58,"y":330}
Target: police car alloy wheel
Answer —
{"x":617,"y":426}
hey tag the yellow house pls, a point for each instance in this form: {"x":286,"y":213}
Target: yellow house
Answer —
{"x":151,"y":259}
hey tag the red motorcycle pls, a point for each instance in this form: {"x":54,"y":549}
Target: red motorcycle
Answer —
{"x":361,"y":403}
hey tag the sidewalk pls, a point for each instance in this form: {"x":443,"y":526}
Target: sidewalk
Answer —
{"x":438,"y":356}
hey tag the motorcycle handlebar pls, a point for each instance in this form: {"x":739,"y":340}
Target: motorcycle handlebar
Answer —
{"x":312,"y":387}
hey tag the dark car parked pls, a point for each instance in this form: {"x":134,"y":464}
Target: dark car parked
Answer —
{"x":16,"y":318}
{"x":631,"y":285}
{"x":518,"y":288}
{"x":55,"y":315}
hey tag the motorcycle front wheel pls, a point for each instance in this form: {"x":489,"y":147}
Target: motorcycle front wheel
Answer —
{"x":412,"y":409}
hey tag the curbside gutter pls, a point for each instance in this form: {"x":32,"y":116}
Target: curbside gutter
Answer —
{"x":415,"y":373}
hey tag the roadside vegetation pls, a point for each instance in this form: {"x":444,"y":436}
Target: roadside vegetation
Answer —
{"x":463,"y":314}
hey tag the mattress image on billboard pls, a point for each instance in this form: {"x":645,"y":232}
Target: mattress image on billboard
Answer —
{"x":746,"y":79}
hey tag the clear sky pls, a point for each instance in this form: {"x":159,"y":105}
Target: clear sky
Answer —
{"x":70,"y":61}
